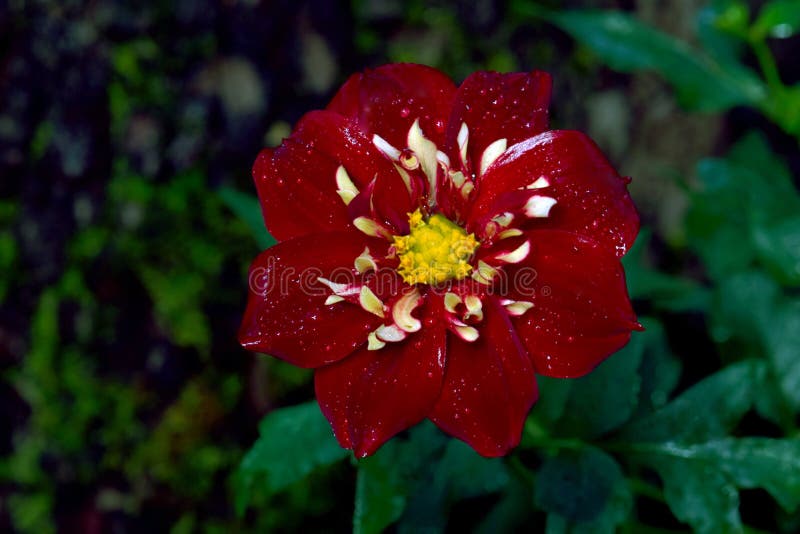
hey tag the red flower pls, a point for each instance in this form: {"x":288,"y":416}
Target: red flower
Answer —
{"x":438,"y":247}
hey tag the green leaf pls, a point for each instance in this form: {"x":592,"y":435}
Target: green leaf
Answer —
{"x":380,"y":494}
{"x":778,"y":249}
{"x":701,"y":481}
{"x":737,"y":216}
{"x":663,"y":290}
{"x":700,"y":496}
{"x":247,"y":208}
{"x":659,"y":371}
{"x":292,"y":443}
{"x":753,"y":315}
{"x":455,"y":473}
{"x":783,"y":340}
{"x":605,"y":398}
{"x":400,"y":471}
{"x":772,"y":464}
{"x":709,"y":409}
{"x":583,"y":491}
{"x":627,"y":45}
{"x":780,"y":19}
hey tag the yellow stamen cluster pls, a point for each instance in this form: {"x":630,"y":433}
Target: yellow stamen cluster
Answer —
{"x":436,"y":250}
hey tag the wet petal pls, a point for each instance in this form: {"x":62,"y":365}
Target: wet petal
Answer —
{"x":286,"y":313}
{"x":297,"y":181}
{"x":498,"y":106}
{"x":591,"y":198}
{"x":489,"y":386}
{"x":387,"y":100}
{"x":581,"y":312}
{"x":374,"y":394}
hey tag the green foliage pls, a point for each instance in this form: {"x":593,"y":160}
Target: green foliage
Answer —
{"x":583,"y":491}
{"x":293,"y":442}
{"x":247,"y":209}
{"x":625,"y":44}
{"x":779,"y":18}
{"x":709,"y":79}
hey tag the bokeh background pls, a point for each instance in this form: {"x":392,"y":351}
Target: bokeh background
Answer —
{"x":127,"y":224}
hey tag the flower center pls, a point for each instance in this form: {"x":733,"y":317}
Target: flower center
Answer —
{"x":436,"y":250}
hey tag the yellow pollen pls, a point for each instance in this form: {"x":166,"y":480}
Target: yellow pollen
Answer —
{"x":434,"y":251}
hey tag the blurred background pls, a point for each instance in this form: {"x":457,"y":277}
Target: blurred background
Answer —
{"x":127,"y":224}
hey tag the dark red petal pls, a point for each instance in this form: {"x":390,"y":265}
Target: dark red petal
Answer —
{"x":372,"y":395}
{"x":296,"y":182}
{"x":387,"y":100}
{"x":489,"y":386}
{"x":593,"y":199}
{"x":499,"y":106}
{"x":581,"y":311}
{"x":286,"y":314}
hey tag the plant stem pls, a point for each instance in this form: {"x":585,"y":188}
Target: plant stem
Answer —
{"x":767,"y":63}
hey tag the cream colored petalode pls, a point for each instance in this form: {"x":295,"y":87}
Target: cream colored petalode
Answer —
{"x":436,"y":250}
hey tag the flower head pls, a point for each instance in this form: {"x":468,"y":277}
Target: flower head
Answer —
{"x":438,"y":248}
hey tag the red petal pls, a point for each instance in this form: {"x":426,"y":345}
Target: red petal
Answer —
{"x":581,"y":311}
{"x":372,"y":395}
{"x":496,"y":106}
{"x":387,"y":100}
{"x":296,"y":182}
{"x":489,"y":386}
{"x":593,"y":199}
{"x":286,"y":313}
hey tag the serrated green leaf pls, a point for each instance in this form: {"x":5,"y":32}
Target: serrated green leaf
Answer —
{"x":779,"y":18}
{"x":247,"y":208}
{"x":292,"y":443}
{"x":772,"y":464}
{"x":709,"y":409}
{"x":626,"y":44}
{"x":583,"y":491}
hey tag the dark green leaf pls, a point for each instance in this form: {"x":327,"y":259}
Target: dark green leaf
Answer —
{"x":457,"y":472}
{"x":248,"y":210}
{"x":390,"y":481}
{"x":738,"y":214}
{"x":779,"y":18}
{"x":511,"y":511}
{"x":772,"y":464}
{"x":701,"y":481}
{"x":709,"y":409}
{"x":380,"y":493}
{"x":585,"y":488}
{"x":627,"y":44}
{"x":778,"y":248}
{"x":605,"y":398}
{"x":292,"y":443}
{"x":659,"y":371}
{"x":663,"y":290}
{"x":782,"y":347}
{"x":553,"y":396}
{"x":751,"y":313}
{"x":700,"y":496}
